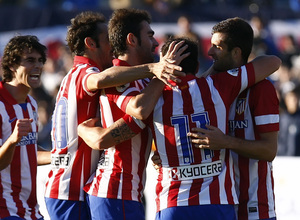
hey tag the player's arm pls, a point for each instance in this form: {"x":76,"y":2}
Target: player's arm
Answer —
{"x":141,"y":105}
{"x":43,"y":156}
{"x":165,"y":70}
{"x":22,"y":128}
{"x":100,"y":138}
{"x":264,"y":66}
{"x":214,"y":139}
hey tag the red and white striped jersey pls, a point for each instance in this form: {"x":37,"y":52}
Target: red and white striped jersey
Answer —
{"x":121,"y":170}
{"x":72,"y":160}
{"x":189,"y":175}
{"x":255,"y":111}
{"x":18,"y":180}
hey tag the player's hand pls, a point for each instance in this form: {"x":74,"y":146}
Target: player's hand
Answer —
{"x":22,"y":128}
{"x":84,"y":126}
{"x":211,"y":138}
{"x":156,"y":161}
{"x":167,"y":68}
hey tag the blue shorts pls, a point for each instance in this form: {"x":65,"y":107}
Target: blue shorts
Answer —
{"x":112,"y":209}
{"x":67,"y":209}
{"x":207,"y":212}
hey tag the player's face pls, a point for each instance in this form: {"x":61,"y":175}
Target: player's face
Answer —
{"x":30,"y":70}
{"x":223,"y":59}
{"x":146,"y":50}
{"x":104,"y":50}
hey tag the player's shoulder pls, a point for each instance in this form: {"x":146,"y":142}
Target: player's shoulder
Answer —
{"x":265,"y":84}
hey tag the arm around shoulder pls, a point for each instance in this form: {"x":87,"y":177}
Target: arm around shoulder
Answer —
{"x":265,"y":65}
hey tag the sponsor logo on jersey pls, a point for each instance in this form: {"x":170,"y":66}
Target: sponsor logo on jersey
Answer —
{"x":93,"y":70}
{"x":12,"y":120}
{"x":237,"y":125}
{"x":195,"y":171}
{"x":60,"y":160}
{"x":122,"y":88}
{"x":29,"y":139}
{"x":233,"y":72}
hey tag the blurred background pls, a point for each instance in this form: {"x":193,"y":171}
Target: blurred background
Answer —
{"x":276,"y":25}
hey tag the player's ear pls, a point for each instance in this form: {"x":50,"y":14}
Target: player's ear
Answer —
{"x":237,"y":52}
{"x":131,"y":39}
{"x":89,"y":42}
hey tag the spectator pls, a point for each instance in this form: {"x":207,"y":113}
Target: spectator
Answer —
{"x":289,"y":133}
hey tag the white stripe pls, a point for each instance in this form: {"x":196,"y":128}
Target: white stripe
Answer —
{"x":124,"y":95}
{"x":244,"y":78}
{"x":140,"y":123}
{"x":267,"y":119}
{"x":135,"y":153}
{"x":219,"y":106}
{"x":106,"y":115}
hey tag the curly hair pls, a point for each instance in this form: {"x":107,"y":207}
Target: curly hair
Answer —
{"x":14,"y":50}
{"x":85,"y":24}
{"x":123,"y":22}
{"x":190,"y":63}
{"x":238,"y":32}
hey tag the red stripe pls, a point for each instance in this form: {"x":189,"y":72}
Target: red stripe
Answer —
{"x":55,"y":184}
{"x":173,"y":193}
{"x":114,"y":180}
{"x":143,"y":161}
{"x":251,"y":74}
{"x":16,"y":181}
{"x":159,"y":189}
{"x":169,"y":133}
{"x":228,"y":182}
{"x":96,"y":185}
{"x":127,"y":176}
{"x":262,"y":193}
{"x":195,"y":191}
{"x":75,"y":178}
{"x":243,"y":164}
{"x":3,"y":207}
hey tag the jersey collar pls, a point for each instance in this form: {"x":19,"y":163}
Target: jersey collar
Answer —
{"x":85,"y":60}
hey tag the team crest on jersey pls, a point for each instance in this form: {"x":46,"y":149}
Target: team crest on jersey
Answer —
{"x":240,"y":106}
{"x":122,"y":88}
{"x":93,"y":70}
{"x":233,"y":72}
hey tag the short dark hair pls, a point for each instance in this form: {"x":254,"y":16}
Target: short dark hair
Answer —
{"x":239,"y":34}
{"x":123,"y":22}
{"x":190,"y":63}
{"x":84,"y":25}
{"x":14,"y":50}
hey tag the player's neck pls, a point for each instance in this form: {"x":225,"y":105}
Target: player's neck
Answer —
{"x":19,"y":91}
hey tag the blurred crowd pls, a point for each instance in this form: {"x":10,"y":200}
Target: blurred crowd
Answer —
{"x":286,"y":79}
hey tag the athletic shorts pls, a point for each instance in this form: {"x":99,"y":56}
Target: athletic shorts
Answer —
{"x":67,"y":209}
{"x":112,"y":209}
{"x":207,"y":212}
